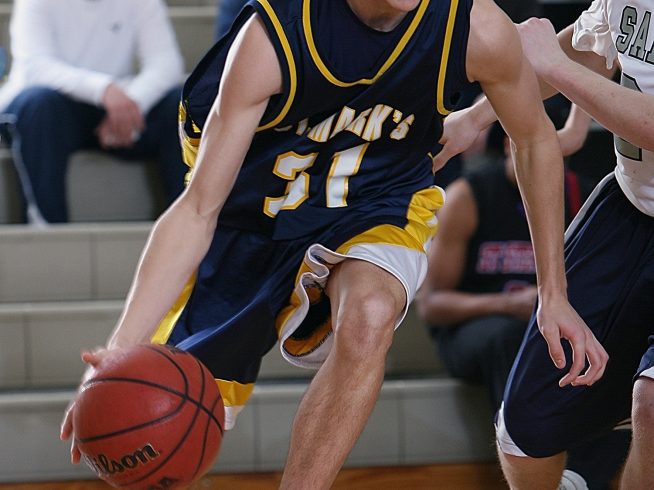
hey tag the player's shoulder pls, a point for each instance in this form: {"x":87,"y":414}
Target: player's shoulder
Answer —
{"x":493,"y":42}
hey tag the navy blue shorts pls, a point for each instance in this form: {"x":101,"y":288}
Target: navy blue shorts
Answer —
{"x":609,"y":257}
{"x":251,"y":291}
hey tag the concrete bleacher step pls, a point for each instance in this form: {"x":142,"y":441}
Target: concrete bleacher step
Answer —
{"x":100,"y":188}
{"x":40,"y":345}
{"x":71,"y":262}
{"x":414,"y":422}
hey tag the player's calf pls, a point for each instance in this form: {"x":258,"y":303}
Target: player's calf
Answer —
{"x":639,"y":469}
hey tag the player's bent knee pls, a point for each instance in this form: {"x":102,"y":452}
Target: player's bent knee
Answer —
{"x":643,"y":404}
{"x":366,"y":325}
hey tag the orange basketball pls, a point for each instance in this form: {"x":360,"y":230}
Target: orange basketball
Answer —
{"x":151,"y":418}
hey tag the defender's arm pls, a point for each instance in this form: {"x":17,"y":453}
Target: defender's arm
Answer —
{"x":495,"y":59}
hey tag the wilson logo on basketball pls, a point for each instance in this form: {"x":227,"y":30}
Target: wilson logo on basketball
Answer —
{"x":102,"y":465}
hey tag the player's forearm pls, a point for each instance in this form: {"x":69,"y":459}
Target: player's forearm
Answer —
{"x":482,"y":113}
{"x":178,"y":242}
{"x":539,"y":170}
{"x":453,"y":307}
{"x":625,"y":112}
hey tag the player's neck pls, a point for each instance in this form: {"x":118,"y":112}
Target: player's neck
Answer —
{"x":378,"y":15}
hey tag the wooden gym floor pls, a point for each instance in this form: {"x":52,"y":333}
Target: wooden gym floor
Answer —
{"x":436,"y":477}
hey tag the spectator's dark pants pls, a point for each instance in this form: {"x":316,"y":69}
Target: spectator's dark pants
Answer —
{"x":52,"y":126}
{"x":482,"y":351}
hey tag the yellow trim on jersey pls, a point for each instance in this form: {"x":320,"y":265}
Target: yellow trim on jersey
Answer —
{"x":287,"y":311}
{"x":165,"y":328}
{"x":190,"y":150}
{"x":300,"y":347}
{"x":422,"y":224}
{"x":382,"y":235}
{"x":233,"y":393}
{"x":189,"y":145}
{"x":445,"y":56}
{"x":308,"y":34}
{"x":292,"y":72}
{"x":181,"y":117}
{"x":181,"y":113}
{"x":421,"y":214}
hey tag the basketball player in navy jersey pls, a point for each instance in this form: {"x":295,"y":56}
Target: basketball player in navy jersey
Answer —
{"x":310,"y":130}
{"x":609,"y":252}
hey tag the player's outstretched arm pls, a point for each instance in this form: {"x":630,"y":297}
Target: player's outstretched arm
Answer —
{"x":495,"y":59}
{"x":183,"y":234}
{"x":462,"y":127}
{"x":625,"y":112}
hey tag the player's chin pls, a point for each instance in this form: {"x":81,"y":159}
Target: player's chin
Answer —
{"x":404,"y":5}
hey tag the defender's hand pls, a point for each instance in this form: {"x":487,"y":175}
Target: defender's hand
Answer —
{"x":540,"y":45}
{"x":558,"y":320}
{"x":459,"y":133}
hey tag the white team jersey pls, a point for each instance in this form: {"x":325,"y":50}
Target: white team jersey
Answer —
{"x":621,"y":28}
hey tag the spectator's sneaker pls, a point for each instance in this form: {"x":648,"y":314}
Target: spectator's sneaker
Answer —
{"x":572,"y":481}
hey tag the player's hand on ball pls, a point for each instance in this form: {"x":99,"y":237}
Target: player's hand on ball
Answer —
{"x":146,"y":416}
{"x":93,"y":359}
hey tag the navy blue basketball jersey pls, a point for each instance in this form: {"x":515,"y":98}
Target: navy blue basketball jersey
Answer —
{"x":346,"y":133}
